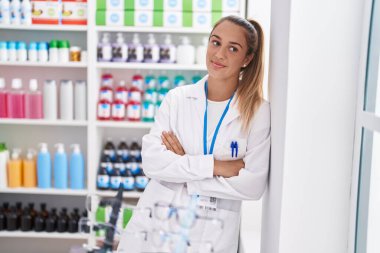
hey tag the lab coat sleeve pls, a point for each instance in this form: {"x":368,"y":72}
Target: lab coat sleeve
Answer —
{"x":251,"y":182}
{"x":162,"y":164}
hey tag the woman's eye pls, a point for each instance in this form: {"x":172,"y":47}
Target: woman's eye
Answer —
{"x":215,"y":43}
{"x":233,"y":49}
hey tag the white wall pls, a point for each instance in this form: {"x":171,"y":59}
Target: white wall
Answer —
{"x":313,"y":79}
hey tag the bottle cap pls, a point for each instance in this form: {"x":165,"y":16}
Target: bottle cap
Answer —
{"x":32,"y":45}
{"x":53,"y":44}
{"x":15,"y":153}
{"x":30,"y":154}
{"x":136,"y":39}
{"x":185,"y":40}
{"x":16,"y":83}
{"x":3,"y":45}
{"x":2,"y":83}
{"x":168,"y":39}
{"x":75,"y":148}
{"x":106,"y":38}
{"x":63,"y":44}
{"x":119,"y":38}
{"x":20,"y":45}
{"x":11,"y":45}
{"x":3,"y":147}
{"x":74,"y":49}
{"x":60,"y":147}
{"x":151,"y":39}
{"x":42,"y":46}
{"x":33,"y":85}
{"x":43,"y":147}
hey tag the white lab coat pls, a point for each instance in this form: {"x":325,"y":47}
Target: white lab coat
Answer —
{"x":174,"y":178}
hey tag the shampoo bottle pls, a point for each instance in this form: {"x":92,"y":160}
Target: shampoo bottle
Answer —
{"x":30,"y":169}
{"x":185,"y":52}
{"x":15,"y":169}
{"x":76,"y":168}
{"x":4,"y":157}
{"x":119,"y":49}
{"x":43,"y":167}
{"x":60,"y":167}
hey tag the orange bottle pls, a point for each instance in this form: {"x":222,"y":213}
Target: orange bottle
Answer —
{"x":15,"y":169}
{"x":30,"y":169}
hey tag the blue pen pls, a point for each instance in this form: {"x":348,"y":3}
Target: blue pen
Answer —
{"x":232,"y":148}
{"x":237,"y":148}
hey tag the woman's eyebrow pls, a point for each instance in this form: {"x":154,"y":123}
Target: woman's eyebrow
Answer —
{"x":231,"y":42}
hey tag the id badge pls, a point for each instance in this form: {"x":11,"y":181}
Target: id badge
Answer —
{"x":207,"y":203}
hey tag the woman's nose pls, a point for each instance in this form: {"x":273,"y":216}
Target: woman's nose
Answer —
{"x":220,"y":53}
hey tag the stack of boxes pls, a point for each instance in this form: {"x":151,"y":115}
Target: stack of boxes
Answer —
{"x":164,"y":13}
{"x":55,"y":12}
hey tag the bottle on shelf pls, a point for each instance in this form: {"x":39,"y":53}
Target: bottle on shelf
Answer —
{"x":33,"y":52}
{"x":42,"y":51}
{"x":66,"y":108}
{"x":80,"y":99}
{"x":150,"y":82}
{"x":168,"y":50}
{"x":12,"y":51}
{"x":33,"y":101}
{"x":3,"y":99}
{"x":62,"y":221}
{"x":119,"y":49}
{"x":3,"y":217}
{"x":3,"y":51}
{"x":109,"y":149}
{"x":15,"y":100}
{"x":151,"y":50}
{"x":5,"y":7}
{"x":12,"y":220}
{"x":201,"y":52}
{"x":148,"y":110}
{"x":60,"y":167}
{"x":135,"y":50}
{"x":118,"y":110}
{"x":115,"y":179}
{"x":185,"y":52}
{"x":141,"y":181}
{"x":22,"y":55}
{"x":15,"y":12}
{"x":103,"y":179}
{"x":53,"y":51}
{"x":26,"y":12}
{"x":76,"y":168}
{"x":26,"y":220}
{"x":128,"y":180}
{"x":105,"y":49}
{"x":64,"y":51}
{"x":179,"y":80}
{"x":51,"y":221}
{"x":43,"y":167}
{"x":134,"y":107}
{"x":123,"y":150}
{"x":30,"y":169}
{"x":121,"y":92}
{"x":4,"y":157}
{"x":15,"y":169}
{"x":50,"y":100}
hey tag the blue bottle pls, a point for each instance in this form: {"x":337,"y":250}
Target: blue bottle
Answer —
{"x":43,"y":167}
{"x":76,"y":168}
{"x":60,"y":167}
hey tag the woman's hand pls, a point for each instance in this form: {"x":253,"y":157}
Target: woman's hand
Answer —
{"x":228,"y":168}
{"x":172,"y":143}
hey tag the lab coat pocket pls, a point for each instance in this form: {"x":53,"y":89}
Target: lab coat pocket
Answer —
{"x":232,"y":149}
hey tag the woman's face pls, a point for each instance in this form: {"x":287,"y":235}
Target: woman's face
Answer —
{"x":226,"y":51}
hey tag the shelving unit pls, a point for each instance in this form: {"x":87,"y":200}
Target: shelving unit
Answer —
{"x":45,"y":64}
{"x":52,"y":191}
{"x":43,"y":235}
{"x":43,"y":122}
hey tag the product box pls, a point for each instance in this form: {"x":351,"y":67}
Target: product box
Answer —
{"x":110,"y":5}
{"x":128,"y":5}
{"x":173,"y":5}
{"x":74,"y":12}
{"x":172,"y":19}
{"x":202,"y":20}
{"x":229,"y":6}
{"x":46,"y":12}
{"x":201,"y":6}
{"x":110,"y":18}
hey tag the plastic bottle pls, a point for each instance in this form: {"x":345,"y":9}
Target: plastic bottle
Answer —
{"x":16,"y":100}
{"x":163,"y":82}
{"x":43,"y":53}
{"x":22,"y":55}
{"x":60,"y":167}
{"x":119,"y":49}
{"x":150,"y":95}
{"x":123,"y":150}
{"x":179,"y":80}
{"x":106,"y":163}
{"x":43,"y":167}
{"x":115,"y":179}
{"x":4,"y":157}
{"x":26,"y":12}
{"x":102,"y":180}
{"x":63,"y":51}
{"x":150,"y":82}
{"x":66,"y":108}
{"x":33,"y":52}
{"x":30,"y":169}
{"x":135,"y":50}
{"x":109,"y":149}
{"x":151,"y":50}
{"x":104,"y":110}
{"x":50,"y":100}
{"x":185,"y":52}
{"x":128,"y":180}
{"x":134,"y":107}
{"x":106,"y":91}
{"x":33,"y":101}
{"x":133,"y":165}
{"x":15,"y":169}
{"x":121,"y":92}
{"x":138,"y":82}
{"x":201,"y":52}
{"x":135,"y":149}
{"x":141,"y":181}
{"x":5,"y":12}
{"x":3,"y":51}
{"x":80,"y":98}
{"x":15,"y":12}
{"x":12,"y":51}
{"x":3,"y":99}
{"x":118,"y":110}
{"x":53,"y":51}
{"x":105,"y":49}
{"x":76,"y":168}
{"x":168,"y":51}
{"x":148,"y":111}
{"x":26,"y":220}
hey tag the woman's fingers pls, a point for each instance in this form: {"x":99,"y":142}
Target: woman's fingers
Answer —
{"x":172,"y":143}
{"x":166,"y":142}
{"x":177,"y":144}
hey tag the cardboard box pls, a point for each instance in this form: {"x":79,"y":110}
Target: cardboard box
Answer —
{"x":74,"y":12}
{"x":109,"y":18}
{"x":46,"y":12}
{"x":202,"y":6}
{"x":172,"y":19}
{"x":230,"y":6}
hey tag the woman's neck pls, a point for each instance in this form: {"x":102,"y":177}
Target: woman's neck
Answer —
{"x":221,"y":90}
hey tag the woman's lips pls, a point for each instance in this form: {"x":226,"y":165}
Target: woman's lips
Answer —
{"x":217,"y":65}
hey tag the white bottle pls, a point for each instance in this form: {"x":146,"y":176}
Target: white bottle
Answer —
{"x":3,"y":51}
{"x":119,"y":49}
{"x":135,"y":50}
{"x":168,"y":50}
{"x":12,"y":51}
{"x":50,"y":100}
{"x":4,"y":157}
{"x":105,"y":49}
{"x":22,"y":55}
{"x":5,"y":12}
{"x":66,"y":100}
{"x":26,"y":12}
{"x":43,"y":53}
{"x":15,"y":12}
{"x":201,"y":52}
{"x":151,"y":50}
{"x":33,"y":52}
{"x":185,"y":52}
{"x":80,"y":100}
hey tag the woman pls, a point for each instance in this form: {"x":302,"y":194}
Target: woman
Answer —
{"x":209,"y":147}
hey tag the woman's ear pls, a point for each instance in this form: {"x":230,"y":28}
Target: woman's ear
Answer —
{"x":247,"y":60}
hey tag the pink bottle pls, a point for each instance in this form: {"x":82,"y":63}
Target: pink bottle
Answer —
{"x":15,"y":100}
{"x":3,"y":99}
{"x":33,"y":101}
{"x":118,"y":110}
{"x":121,"y":92}
{"x":134,"y":106}
{"x":106,"y":91}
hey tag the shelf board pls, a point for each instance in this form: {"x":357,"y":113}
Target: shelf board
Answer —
{"x":126,"y":195}
{"x":43,"y":235}
{"x":43,"y":122}
{"x":186,"y":30}
{"x":50,"y":191}
{"x":45,"y":64}
{"x":124,"y":124}
{"x":149,"y":66}
{"x":59,"y":28}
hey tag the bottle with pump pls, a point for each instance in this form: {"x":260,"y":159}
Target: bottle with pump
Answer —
{"x":185,"y":52}
{"x":5,"y":18}
{"x":15,"y":169}
{"x":60,"y":167}
{"x":135,"y":50}
{"x":151,"y":50}
{"x":43,"y":167}
{"x":3,"y":99}
{"x":50,"y":100}
{"x":4,"y":157}
{"x":33,"y":101}
{"x":168,"y":51}
{"x":119,"y":49}
{"x":15,"y":100}
{"x":30,"y":169}
{"x":105,"y":49}
{"x":201,"y":52}
{"x":76,"y":168}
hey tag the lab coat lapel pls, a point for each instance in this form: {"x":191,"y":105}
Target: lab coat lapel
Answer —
{"x":197,"y":99}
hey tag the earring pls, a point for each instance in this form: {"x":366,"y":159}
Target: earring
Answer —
{"x":245,"y":65}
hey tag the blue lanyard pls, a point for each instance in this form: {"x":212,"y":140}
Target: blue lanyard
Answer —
{"x":217,"y":127}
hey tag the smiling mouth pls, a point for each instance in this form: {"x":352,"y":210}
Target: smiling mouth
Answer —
{"x":217,"y":64}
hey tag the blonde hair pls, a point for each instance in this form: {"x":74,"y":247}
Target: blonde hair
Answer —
{"x":250,"y":89}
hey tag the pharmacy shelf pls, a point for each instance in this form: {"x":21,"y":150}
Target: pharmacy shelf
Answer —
{"x":50,"y":191}
{"x":149,"y":66}
{"x":124,"y":124}
{"x":152,"y":29}
{"x":43,"y":122}
{"x":126,"y":195}
{"x":45,"y":64}
{"x":60,"y":28}
{"x":32,"y":234}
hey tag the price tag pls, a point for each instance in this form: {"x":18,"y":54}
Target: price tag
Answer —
{"x":207,"y":203}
